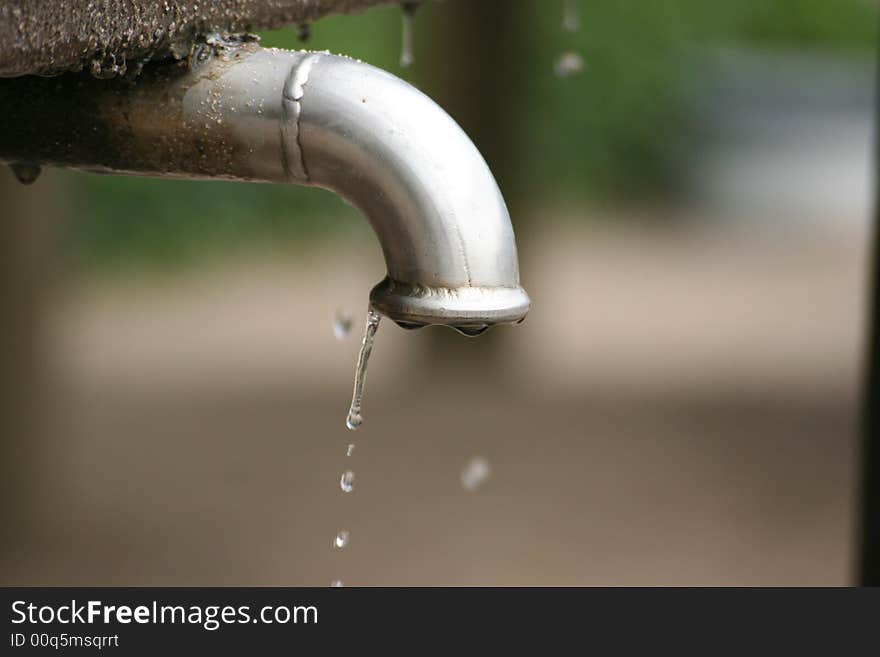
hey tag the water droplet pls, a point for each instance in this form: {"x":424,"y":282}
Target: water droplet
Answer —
{"x":355,"y":419}
{"x":342,"y":321}
{"x":472,"y":331}
{"x":26,"y":172}
{"x":406,"y":41}
{"x":568,"y":64}
{"x":475,"y":473}
{"x":336,"y":584}
{"x":341,"y":539}
{"x":350,"y":450}
{"x":571,"y":21}
{"x":346,"y":482}
{"x":409,"y":326}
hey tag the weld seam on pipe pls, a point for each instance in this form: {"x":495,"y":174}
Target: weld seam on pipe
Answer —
{"x":291,"y":109}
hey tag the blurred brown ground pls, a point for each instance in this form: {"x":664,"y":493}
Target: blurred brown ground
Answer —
{"x":679,"y":408}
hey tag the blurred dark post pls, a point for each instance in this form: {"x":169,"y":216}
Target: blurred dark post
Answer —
{"x":477,"y":65}
{"x":475,"y":61}
{"x":24,"y":275}
{"x":870,"y":502}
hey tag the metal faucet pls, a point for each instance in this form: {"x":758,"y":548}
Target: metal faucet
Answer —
{"x":237,"y":111}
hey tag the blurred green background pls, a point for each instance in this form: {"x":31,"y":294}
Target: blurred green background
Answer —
{"x":613,"y":132}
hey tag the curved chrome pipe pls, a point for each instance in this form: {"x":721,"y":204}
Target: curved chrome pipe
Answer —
{"x":333,"y":122}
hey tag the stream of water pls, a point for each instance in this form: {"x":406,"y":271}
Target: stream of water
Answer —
{"x":355,"y":417}
{"x":341,"y":328}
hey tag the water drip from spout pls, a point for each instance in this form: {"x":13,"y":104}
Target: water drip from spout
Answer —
{"x":409,"y":326}
{"x":355,"y":419}
{"x":472,"y":331}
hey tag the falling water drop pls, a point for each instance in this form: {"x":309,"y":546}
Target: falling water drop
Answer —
{"x":346,"y":482}
{"x":350,"y":450}
{"x":354,"y":419}
{"x":571,"y":21}
{"x":475,"y":473}
{"x":25,"y":172}
{"x":341,"y":539}
{"x":336,"y":584}
{"x":342,"y":321}
{"x":568,"y":64}
{"x":406,"y":44}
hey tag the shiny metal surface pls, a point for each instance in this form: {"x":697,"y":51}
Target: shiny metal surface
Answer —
{"x":317,"y":119}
